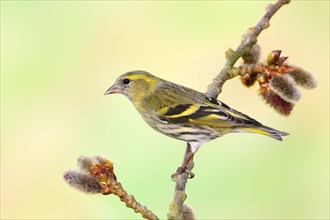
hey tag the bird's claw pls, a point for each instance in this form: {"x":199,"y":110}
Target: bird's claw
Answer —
{"x":190,"y":174}
{"x":181,"y":170}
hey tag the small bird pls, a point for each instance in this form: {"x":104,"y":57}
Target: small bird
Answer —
{"x":183,"y":113}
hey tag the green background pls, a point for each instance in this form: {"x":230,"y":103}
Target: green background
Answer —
{"x":59,"y":57}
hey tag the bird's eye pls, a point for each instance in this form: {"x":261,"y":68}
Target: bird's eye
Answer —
{"x":126,"y":81}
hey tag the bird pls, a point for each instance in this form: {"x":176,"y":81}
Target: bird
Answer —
{"x":184,"y":113}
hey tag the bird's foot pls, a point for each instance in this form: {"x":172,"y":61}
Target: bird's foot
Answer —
{"x":180,"y":170}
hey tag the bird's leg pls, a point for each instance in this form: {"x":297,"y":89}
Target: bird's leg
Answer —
{"x":183,"y":169}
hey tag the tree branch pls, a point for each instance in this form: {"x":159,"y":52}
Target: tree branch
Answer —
{"x":214,"y":89}
{"x":245,"y":47}
{"x":176,"y":210}
{"x":96,"y":175}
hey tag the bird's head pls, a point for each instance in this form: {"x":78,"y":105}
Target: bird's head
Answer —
{"x":135,"y":85}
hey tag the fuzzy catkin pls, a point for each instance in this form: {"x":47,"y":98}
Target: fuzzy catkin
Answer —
{"x":285,"y":87}
{"x":303,"y":78}
{"x":82,"y":181}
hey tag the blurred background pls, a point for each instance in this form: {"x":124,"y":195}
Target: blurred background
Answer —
{"x":59,"y":57}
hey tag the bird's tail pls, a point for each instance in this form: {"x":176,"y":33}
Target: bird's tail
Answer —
{"x":264,"y":130}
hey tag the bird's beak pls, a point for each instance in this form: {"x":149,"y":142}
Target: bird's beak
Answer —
{"x":113,"y":89}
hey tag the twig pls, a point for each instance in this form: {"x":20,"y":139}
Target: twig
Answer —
{"x":215,"y":88}
{"x":96,"y":175}
{"x":249,"y":39}
{"x":176,"y":206}
{"x":131,"y":202}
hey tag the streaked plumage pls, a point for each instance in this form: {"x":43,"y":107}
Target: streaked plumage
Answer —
{"x":184,"y":113}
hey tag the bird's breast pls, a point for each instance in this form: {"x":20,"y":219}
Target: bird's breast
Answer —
{"x":186,"y":132}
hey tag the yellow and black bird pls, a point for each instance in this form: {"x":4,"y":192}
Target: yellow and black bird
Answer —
{"x":184,"y":113}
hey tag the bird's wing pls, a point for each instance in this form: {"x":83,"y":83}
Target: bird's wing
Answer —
{"x":204,"y":114}
{"x":195,"y":108}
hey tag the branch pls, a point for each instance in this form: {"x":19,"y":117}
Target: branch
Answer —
{"x":248,"y":41}
{"x":177,"y":209}
{"x":278,"y":86}
{"x":97,"y":176}
{"x":214,"y":89}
